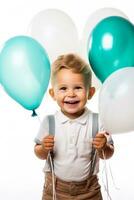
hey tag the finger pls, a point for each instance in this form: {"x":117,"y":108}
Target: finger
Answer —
{"x":49,"y":148}
{"x":49,"y":140}
{"x":48,"y":145}
{"x":97,"y":146}
{"x":100,"y":135}
{"x":45,"y":143}
{"x":95,"y":143}
{"x":100,"y":141}
{"x":97,"y":139}
{"x":48,"y":137}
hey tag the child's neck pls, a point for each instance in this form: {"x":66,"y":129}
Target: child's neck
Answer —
{"x":74,"y":115}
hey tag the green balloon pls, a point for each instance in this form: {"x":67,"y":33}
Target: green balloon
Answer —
{"x":24,"y":71}
{"x":111,"y":46}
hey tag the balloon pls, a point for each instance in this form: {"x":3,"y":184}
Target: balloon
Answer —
{"x":56,"y":31}
{"x":92,"y":21}
{"x":116,"y":101}
{"x":24,"y":71}
{"x":111,"y":46}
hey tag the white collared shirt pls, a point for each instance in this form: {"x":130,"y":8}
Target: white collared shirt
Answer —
{"x":73,"y":145}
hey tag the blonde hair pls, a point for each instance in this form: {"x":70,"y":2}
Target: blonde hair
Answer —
{"x":74,"y":63}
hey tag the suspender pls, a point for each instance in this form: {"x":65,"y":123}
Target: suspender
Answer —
{"x":51,"y":123}
{"x":94,"y":131}
{"x":94,"y":124}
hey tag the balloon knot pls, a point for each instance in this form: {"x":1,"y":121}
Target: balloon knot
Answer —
{"x":34,"y":114}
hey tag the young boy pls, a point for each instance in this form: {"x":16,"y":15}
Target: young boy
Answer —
{"x":75,"y":151}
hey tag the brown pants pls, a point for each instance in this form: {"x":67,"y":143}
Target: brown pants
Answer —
{"x":85,"y":190}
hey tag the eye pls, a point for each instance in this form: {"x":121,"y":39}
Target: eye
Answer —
{"x":78,"y":87}
{"x":63,"y":88}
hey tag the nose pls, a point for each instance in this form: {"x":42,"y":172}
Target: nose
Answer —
{"x":71,"y":93}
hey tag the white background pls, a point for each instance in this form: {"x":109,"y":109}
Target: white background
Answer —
{"x":21,"y":176}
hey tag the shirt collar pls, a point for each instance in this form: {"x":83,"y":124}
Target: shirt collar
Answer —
{"x":81,"y":120}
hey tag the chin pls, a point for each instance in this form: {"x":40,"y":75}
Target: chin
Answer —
{"x":73,"y":111}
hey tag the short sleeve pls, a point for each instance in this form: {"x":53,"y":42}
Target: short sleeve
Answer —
{"x":43,"y":131}
{"x":108,"y":135}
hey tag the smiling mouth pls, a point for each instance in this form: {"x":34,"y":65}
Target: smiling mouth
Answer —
{"x":71,"y":102}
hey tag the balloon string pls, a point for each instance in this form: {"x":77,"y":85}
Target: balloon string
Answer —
{"x":49,"y":156}
{"x":53,"y":178}
{"x":106,"y":186}
{"x":117,"y":188}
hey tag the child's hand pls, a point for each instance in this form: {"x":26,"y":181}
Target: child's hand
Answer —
{"x":100,"y":141}
{"x":48,"y":143}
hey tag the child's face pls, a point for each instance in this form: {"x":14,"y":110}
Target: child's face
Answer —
{"x":70,"y":92}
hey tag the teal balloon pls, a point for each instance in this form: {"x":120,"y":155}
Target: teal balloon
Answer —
{"x":24,"y":71}
{"x":111,"y":46}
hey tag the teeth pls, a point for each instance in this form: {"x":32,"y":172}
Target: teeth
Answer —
{"x":71,"y":102}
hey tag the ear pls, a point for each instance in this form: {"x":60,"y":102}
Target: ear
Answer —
{"x":91,"y":92}
{"x":51,"y":92}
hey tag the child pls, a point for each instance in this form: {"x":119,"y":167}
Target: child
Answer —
{"x":72,"y":147}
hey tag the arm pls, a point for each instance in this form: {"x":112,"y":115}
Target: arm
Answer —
{"x":47,"y":144}
{"x":104,"y":149}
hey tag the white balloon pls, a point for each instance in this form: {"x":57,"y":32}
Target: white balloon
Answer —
{"x":92,"y":21}
{"x":116,"y":101}
{"x":56,"y":31}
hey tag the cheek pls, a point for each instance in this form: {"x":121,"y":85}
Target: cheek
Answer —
{"x":59,"y":97}
{"x":83,"y":95}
